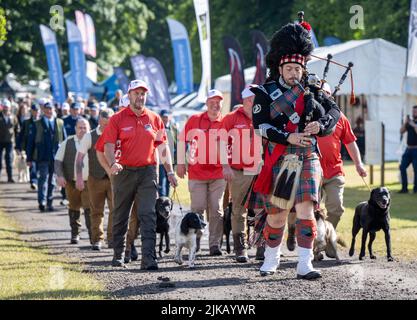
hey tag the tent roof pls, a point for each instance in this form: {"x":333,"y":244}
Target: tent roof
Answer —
{"x":379,"y":67}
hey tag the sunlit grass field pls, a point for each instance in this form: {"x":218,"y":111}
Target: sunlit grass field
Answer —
{"x":32,"y":273}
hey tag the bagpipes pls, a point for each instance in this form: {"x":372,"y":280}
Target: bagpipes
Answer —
{"x":316,"y":85}
{"x":313,"y":82}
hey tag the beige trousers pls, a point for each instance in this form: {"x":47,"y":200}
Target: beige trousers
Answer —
{"x":99,"y":191}
{"x":208,"y":195}
{"x":332,"y":190}
{"x":239,"y":187}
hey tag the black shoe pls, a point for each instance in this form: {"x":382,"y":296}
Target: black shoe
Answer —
{"x":215,"y":251}
{"x":75,"y":239}
{"x":133,"y":253}
{"x":404,"y":191}
{"x":266,"y":273}
{"x":96,"y":246}
{"x":118,"y":263}
{"x":10,"y":181}
{"x":51,"y":208}
{"x":128,"y":257}
{"x":151,"y":267}
{"x":310,"y":276}
{"x":33,"y":186}
{"x":42,"y":208}
{"x":242,"y":259}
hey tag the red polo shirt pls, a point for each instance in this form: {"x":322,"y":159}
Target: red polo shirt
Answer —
{"x":139,"y":136}
{"x":100,"y":146}
{"x":200,"y":124}
{"x":238,"y":125}
{"x":331,"y":158}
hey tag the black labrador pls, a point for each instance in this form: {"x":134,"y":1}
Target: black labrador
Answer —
{"x":227,"y":226}
{"x":163,"y":208}
{"x":372,"y":215}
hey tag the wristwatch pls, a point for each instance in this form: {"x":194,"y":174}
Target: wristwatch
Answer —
{"x":171,"y":173}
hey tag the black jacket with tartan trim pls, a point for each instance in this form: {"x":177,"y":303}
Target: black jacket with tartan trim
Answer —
{"x":327,"y":113}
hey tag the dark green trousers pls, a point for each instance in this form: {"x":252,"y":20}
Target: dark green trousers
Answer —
{"x":138,"y":184}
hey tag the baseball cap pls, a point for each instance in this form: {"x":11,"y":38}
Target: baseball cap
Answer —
{"x":164,"y":112}
{"x":43,"y":101}
{"x":214,"y":93}
{"x":65,"y":106}
{"x":94,"y":106}
{"x":102,"y":105}
{"x":246,"y":93}
{"x":124,"y":101}
{"x":75,"y":105}
{"x":48,"y":105}
{"x":6,"y":103}
{"x":134,"y":84}
{"x":34,"y":107}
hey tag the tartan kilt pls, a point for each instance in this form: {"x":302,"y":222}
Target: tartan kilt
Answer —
{"x":252,"y":199}
{"x":309,"y":187}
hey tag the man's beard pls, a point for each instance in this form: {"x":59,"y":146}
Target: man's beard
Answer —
{"x":291,"y":81}
{"x":137,"y":105}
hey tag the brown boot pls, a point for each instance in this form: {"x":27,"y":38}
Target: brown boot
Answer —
{"x":88,"y":223}
{"x":239,"y":243}
{"x":291,"y":237}
{"x":74,"y":217}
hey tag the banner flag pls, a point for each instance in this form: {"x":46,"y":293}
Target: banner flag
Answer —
{"x":54,"y":64}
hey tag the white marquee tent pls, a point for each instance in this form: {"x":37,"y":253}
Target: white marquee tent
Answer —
{"x":379,"y":68}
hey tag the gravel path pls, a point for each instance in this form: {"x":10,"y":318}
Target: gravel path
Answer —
{"x":214,"y":277}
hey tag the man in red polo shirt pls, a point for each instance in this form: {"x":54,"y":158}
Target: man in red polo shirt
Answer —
{"x":141,"y":133}
{"x":205,"y":174}
{"x":239,"y":127}
{"x":131,"y":253}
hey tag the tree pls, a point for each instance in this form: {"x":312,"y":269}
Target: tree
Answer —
{"x":3,"y":31}
{"x":120,"y":28}
{"x":382,"y":19}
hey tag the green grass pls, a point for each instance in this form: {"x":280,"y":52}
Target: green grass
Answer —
{"x":32,"y":273}
{"x":403,"y":210}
